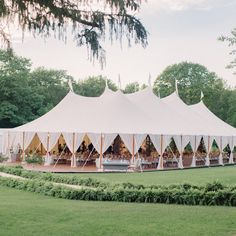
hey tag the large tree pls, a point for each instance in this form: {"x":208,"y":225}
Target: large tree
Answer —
{"x":193,"y":78}
{"x":93,"y":86}
{"x":51,"y":84}
{"x":90,"y":20}
{"x":18,"y":104}
{"x":231,"y":40}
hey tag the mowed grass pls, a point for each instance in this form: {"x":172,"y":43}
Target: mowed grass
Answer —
{"x":24,"y":213}
{"x":225,"y":175}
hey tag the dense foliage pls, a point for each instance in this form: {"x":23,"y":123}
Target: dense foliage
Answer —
{"x":89,"y":21}
{"x":210,"y":194}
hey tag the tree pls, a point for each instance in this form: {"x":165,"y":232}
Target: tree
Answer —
{"x":231,"y":40}
{"x":93,"y":86}
{"x":132,"y":87}
{"x":91,"y":21}
{"x":51,"y":84}
{"x":17,"y":102}
{"x":192,"y":79}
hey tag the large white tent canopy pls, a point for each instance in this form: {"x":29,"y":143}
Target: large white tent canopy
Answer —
{"x":132,"y":116}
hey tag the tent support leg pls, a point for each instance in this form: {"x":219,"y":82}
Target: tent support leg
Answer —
{"x":100,"y":156}
{"x":23,"y":148}
{"x":160,"y":164}
{"x":133,"y":143}
{"x":73,"y":158}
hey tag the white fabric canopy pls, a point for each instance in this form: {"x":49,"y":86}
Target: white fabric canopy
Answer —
{"x":48,"y":140}
{"x":208,"y":140}
{"x":156,"y":140}
{"x":128,"y":141}
{"x":73,"y":143}
{"x":195,"y":142}
{"x":2,"y":140}
{"x":181,"y":142}
{"x":107,"y":140}
{"x":231,"y":145}
{"x":115,"y":113}
{"x":211,"y":119}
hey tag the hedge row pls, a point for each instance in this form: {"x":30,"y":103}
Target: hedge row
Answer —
{"x":57,"y":178}
{"x":168,"y":196}
{"x":89,"y":182}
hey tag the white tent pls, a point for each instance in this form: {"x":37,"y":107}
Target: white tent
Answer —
{"x":132,"y":116}
{"x":1,"y":140}
{"x":200,"y":116}
{"x":201,"y":109}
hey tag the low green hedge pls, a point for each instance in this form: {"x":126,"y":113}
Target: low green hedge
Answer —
{"x":57,"y":178}
{"x":191,"y":196}
{"x":90,"y":182}
{"x":34,"y":159}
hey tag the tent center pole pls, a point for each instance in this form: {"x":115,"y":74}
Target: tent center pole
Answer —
{"x":133,"y":143}
{"x":47,"y":151}
{"x":161,"y":156}
{"x":101,"y":144}
{"x":23,"y":147}
{"x":73,"y":158}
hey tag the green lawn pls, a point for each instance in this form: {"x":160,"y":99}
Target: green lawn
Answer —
{"x":226,"y":175}
{"x":24,"y":213}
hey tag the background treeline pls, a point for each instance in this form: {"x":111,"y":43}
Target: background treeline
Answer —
{"x":27,"y":93}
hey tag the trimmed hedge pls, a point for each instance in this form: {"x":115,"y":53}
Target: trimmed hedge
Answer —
{"x":226,"y":197}
{"x":57,"y":178}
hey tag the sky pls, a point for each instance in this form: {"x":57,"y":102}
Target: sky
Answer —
{"x":179,"y":30}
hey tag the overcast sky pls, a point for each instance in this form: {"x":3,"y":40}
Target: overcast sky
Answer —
{"x":179,"y":30}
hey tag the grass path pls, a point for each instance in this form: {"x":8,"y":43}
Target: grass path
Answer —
{"x":23,"y":213}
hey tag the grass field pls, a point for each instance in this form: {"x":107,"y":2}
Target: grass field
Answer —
{"x":23,"y":213}
{"x":226,"y":175}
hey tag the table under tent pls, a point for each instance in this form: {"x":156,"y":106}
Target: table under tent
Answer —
{"x":117,"y":131}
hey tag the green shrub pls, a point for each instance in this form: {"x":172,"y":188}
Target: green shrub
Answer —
{"x":191,"y":196}
{"x":3,"y":158}
{"x":34,"y":159}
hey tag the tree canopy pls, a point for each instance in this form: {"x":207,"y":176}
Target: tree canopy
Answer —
{"x":193,"y":78}
{"x":90,"y":20}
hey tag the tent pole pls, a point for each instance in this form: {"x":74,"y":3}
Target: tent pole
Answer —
{"x":161,"y":156}
{"x":101,"y":144}
{"x":181,"y":152}
{"x":221,"y":161}
{"x":47,"y":151}
{"x":8,"y":146}
{"x":73,"y":160}
{"x":208,"y":152}
{"x":133,"y":143}
{"x":23,"y":148}
{"x":194,"y":152}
